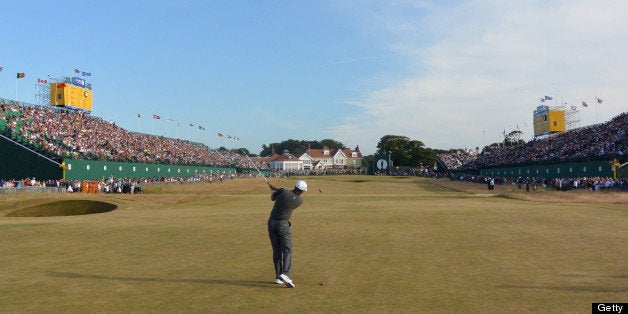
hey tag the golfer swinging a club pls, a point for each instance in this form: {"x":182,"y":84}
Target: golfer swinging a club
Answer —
{"x":286,"y":201}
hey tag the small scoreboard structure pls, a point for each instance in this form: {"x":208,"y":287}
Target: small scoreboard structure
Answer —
{"x":72,"y":93}
{"x":548,"y":120}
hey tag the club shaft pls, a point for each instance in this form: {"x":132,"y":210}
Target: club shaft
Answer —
{"x":254,"y":166}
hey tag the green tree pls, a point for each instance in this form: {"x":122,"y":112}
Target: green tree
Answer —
{"x":331,"y":144}
{"x":406,"y":152}
{"x":420,"y":155}
{"x":298,"y":147}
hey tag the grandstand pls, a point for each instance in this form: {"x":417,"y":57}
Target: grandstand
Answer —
{"x":58,"y":134}
{"x":600,"y":142}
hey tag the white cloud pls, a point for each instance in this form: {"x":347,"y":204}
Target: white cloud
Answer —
{"x":480,"y":67}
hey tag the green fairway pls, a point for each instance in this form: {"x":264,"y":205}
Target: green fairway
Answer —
{"x":361,"y":244}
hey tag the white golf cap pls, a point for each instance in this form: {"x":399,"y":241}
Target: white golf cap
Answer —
{"x":301,"y":185}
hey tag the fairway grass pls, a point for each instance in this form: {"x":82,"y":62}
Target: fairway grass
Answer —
{"x":361,"y":244}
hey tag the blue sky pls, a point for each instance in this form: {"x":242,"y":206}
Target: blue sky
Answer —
{"x":453,"y":74}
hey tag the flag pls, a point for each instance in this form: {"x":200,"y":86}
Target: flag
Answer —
{"x":21,"y":74}
{"x":156,"y":116}
{"x":139,"y":115}
{"x":201,"y":128}
{"x":574,"y":108}
{"x":219,"y":134}
{"x":77,"y":71}
{"x":40,"y":81}
{"x":584,"y":104}
{"x":228,"y":136}
{"x":599,"y":101}
{"x":86,"y":74}
{"x":542,"y":99}
{"x":548,"y":98}
{"x":1,"y":68}
{"x":191,"y":124}
{"x":60,"y":85}
{"x":169,"y":119}
{"x":237,"y":138}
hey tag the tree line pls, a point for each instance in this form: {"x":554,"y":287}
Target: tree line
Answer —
{"x":403,"y":150}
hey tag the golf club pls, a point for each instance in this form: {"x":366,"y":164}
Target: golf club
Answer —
{"x":254,"y":166}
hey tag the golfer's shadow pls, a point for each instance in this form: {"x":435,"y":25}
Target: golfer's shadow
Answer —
{"x":243,"y":283}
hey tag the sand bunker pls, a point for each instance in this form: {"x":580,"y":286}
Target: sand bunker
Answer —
{"x":64,"y":208}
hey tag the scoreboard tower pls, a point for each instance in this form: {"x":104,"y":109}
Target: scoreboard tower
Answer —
{"x":548,"y":120}
{"x":71,"y":93}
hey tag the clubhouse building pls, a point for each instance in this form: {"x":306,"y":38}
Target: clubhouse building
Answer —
{"x":315,"y":160}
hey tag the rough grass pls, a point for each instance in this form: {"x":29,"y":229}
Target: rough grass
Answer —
{"x":361,"y":244}
{"x":549,"y":195}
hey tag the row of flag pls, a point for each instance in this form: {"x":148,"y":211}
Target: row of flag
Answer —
{"x":543,"y":99}
{"x":19,"y":74}
{"x":158,"y":117}
{"x":584,"y":103}
{"x":41,"y":81}
{"x":83,"y":73}
{"x":220,"y":135}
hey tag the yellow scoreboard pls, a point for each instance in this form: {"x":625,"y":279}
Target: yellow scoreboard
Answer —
{"x":70,"y":95}
{"x":547,"y":121}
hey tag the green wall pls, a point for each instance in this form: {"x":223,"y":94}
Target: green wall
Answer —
{"x":17,"y":162}
{"x":97,"y":170}
{"x":563,"y":170}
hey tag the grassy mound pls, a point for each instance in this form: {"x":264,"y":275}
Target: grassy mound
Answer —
{"x":64,"y":208}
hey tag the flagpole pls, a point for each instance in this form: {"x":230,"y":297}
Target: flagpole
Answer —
{"x":138,"y":123}
{"x":597,"y":101}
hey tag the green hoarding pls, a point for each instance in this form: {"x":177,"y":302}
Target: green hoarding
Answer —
{"x":600,"y":168}
{"x":97,"y":170}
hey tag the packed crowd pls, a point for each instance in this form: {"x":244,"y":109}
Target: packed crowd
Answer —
{"x":559,"y":184}
{"x":63,"y":134}
{"x":456,"y":159}
{"x":109,"y":185}
{"x":605,"y":139}
{"x":608,"y":139}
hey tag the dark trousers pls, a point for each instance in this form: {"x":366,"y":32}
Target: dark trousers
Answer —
{"x":281,"y":241}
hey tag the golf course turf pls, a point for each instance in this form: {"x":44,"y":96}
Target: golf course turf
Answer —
{"x":361,"y":244}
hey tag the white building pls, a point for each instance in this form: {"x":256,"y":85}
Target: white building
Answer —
{"x":325,"y":158}
{"x":314,"y":159}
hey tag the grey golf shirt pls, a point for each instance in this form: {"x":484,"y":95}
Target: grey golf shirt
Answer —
{"x":286,"y":201}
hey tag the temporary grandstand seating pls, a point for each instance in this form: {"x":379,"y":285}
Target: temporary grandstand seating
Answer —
{"x":597,"y":143}
{"x":61,"y":134}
